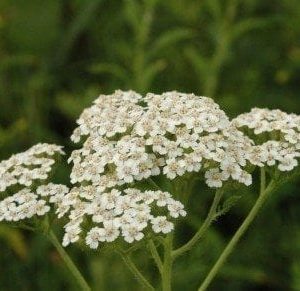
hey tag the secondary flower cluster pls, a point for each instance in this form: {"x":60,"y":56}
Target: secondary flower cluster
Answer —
{"x":24,"y":171}
{"x":115,"y":214}
{"x":26,"y":167}
{"x":130,"y":138}
{"x":277,"y":137}
{"x":26,"y":203}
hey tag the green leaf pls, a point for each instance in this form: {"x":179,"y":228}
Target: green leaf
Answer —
{"x":71,"y":105}
{"x":132,"y":13}
{"x":14,"y":61}
{"x":169,"y":38}
{"x":151,"y":71}
{"x":215,"y":8}
{"x":199,"y":63}
{"x":113,"y":69}
{"x":79,"y":24}
{"x":249,"y":24}
{"x":228,"y":204}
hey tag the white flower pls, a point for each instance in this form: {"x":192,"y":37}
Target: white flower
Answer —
{"x":71,"y":235}
{"x":214,"y":178}
{"x":173,"y":169}
{"x":41,"y":208}
{"x":161,"y":224}
{"x":94,"y":236}
{"x":176,"y":209}
{"x":230,"y":169}
{"x":287,"y":163}
{"x":245,"y":178}
{"x":131,"y":233}
{"x":162,"y":198}
{"x":111,"y":231}
{"x":127,"y":171}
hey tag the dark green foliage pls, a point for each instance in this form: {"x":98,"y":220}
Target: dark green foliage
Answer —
{"x":57,"y":56}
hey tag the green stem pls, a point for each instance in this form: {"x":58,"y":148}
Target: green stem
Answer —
{"x":199,"y":234}
{"x":155,"y":255}
{"x":69,"y":263}
{"x":240,"y":232}
{"x":138,"y":275}
{"x":166,"y":274}
{"x":262,"y":180}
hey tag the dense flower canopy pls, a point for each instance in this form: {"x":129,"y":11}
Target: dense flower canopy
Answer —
{"x":128,"y":139}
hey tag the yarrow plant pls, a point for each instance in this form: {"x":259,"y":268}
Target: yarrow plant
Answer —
{"x":133,"y":171}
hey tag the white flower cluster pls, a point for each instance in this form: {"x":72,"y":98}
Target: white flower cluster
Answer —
{"x":26,"y":203}
{"x":26,"y":167}
{"x":115,"y":214}
{"x":22,"y":170}
{"x":277,"y":135}
{"x":130,"y":138}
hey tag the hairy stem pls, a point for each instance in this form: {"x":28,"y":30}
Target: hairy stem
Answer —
{"x":155,"y":255}
{"x":199,"y":234}
{"x":69,"y":263}
{"x":137,"y":274}
{"x":264,"y":194}
{"x":166,"y":274}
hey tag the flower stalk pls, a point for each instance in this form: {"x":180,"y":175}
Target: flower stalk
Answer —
{"x":135,"y":271}
{"x":155,"y":255}
{"x":212,"y":214}
{"x":264,"y":194}
{"x":69,"y":263}
{"x":167,"y":264}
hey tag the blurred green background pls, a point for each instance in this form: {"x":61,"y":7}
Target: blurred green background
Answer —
{"x":56,"y":56}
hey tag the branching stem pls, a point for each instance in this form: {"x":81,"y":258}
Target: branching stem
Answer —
{"x":155,"y":255}
{"x":199,"y":234}
{"x":264,"y":194}
{"x":135,"y":271}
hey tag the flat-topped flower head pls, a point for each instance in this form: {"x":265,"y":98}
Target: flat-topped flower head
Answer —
{"x":32,"y":165}
{"x":27,"y":203}
{"x":27,"y":172}
{"x":277,"y":137}
{"x":127,"y":215}
{"x":129,"y":138}
{"x":279,"y":124}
